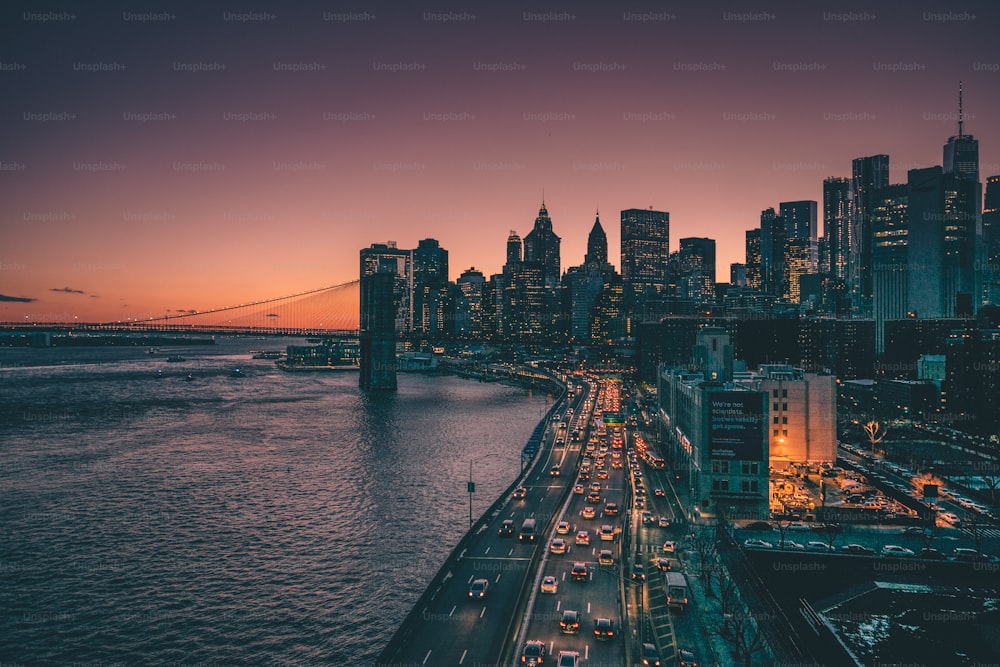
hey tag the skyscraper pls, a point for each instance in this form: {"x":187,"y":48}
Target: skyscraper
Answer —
{"x":991,"y":241}
{"x":772,"y":252}
{"x":597,"y":243}
{"x":868,"y":175}
{"x":800,"y":219}
{"x":753,"y":269}
{"x":430,"y":277}
{"x":697,"y":266}
{"x":890,"y":253}
{"x":542,"y":245}
{"x":645,"y":249}
{"x":836,"y":224}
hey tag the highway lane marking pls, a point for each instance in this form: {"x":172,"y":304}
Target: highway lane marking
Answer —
{"x":427,"y":657}
{"x":497,"y":557}
{"x":487,"y":550}
{"x":482,"y":612}
{"x":453,"y":610}
{"x":497,"y":580}
{"x":462,"y":659}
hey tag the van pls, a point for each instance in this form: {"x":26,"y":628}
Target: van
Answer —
{"x":527,"y":533}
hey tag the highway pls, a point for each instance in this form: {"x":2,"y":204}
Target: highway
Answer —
{"x":450,"y":627}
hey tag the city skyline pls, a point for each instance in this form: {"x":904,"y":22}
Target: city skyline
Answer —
{"x":305,"y":135}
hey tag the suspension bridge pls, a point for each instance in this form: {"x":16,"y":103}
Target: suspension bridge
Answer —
{"x":331,"y":311}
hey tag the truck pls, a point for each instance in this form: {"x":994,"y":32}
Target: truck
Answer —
{"x":677,"y":590}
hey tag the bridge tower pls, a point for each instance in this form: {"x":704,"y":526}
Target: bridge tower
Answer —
{"x":378,"y":332}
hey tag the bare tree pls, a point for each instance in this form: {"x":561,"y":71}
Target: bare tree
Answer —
{"x":703,"y":542}
{"x":747,"y":638}
{"x":727,"y":598}
{"x":875,"y":432}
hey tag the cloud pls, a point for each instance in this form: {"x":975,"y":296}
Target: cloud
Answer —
{"x":17,"y":299}
{"x":67,"y":290}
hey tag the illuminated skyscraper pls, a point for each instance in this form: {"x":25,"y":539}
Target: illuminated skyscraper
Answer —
{"x":645,"y":250}
{"x":868,"y":175}
{"x":836,"y":224}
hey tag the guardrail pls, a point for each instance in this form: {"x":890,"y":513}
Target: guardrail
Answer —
{"x":406,"y":627}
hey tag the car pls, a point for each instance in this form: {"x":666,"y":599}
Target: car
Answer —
{"x":604,"y":629}
{"x":533,"y":653}
{"x":594,"y":497}
{"x":578,"y":489}
{"x":757,"y":544}
{"x":558,"y":546}
{"x":602,"y":474}
{"x":588,"y":512}
{"x":638,"y":572}
{"x":611,"y":509}
{"x":685,"y":658}
{"x":669,"y":546}
{"x":758,"y":525}
{"x":606,"y":557}
{"x":659,"y":493}
{"x":520,"y":492}
{"x":914,"y":530}
{"x":549,"y":584}
{"x":607,"y":533}
{"x":478,"y":588}
{"x":798,"y":526}
{"x":650,"y":656}
{"x":554,"y":471}
{"x":640,"y":502}
{"x":931,"y":554}
{"x":818,"y":546}
{"x":563,"y":528}
{"x":968,"y":555}
{"x":648,"y":518}
{"x":569,"y":624}
{"x":896,"y":551}
{"x":580,"y":572}
{"x":857,"y":550}
{"x":583,"y":537}
{"x":664,"y":565}
{"x":664,"y":522}
{"x":568,"y":659}
{"x":506,"y":528}
{"x":790,"y":545}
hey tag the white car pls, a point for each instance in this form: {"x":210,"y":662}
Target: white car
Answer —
{"x":894,"y":550}
{"x":563,"y":528}
{"x":818,"y":546}
{"x":549,"y":584}
{"x":583,"y":537}
{"x":558,"y":546}
{"x":758,"y":544}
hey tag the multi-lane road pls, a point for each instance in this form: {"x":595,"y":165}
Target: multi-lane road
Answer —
{"x":594,"y":506}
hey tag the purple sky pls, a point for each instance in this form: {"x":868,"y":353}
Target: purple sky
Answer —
{"x":196,"y":157}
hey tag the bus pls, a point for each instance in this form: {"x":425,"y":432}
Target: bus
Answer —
{"x":677,"y":590}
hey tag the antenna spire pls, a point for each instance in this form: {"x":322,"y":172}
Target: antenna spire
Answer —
{"x":961,"y":118}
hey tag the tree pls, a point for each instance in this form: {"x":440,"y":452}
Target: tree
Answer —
{"x":875,"y":433}
{"x":747,"y":637}
{"x":703,"y":542}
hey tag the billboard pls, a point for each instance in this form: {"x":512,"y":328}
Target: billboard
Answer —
{"x":736,"y":425}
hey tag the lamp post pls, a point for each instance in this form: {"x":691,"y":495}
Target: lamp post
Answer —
{"x":471,"y":485}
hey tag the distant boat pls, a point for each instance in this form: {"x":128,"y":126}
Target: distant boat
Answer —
{"x":189,"y":377}
{"x":159,"y":373}
{"x":237,"y":373}
{"x":175,"y":357}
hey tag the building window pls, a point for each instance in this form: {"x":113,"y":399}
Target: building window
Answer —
{"x":784,"y":432}
{"x":720,"y":466}
{"x":775,"y":419}
{"x":775,"y":407}
{"x":784,"y":393}
{"x":750,"y":467}
{"x":720,"y":484}
{"x":776,"y":431}
{"x":749,"y":486}
{"x":784,"y":406}
{"x":776,"y":393}
{"x":784,"y":420}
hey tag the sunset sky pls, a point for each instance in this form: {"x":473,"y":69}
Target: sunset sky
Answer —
{"x":169,"y":156}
